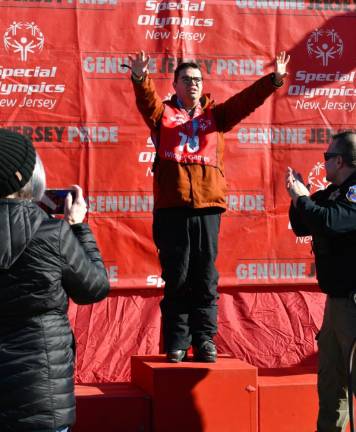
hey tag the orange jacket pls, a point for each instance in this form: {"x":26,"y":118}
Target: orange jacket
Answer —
{"x":194,"y":185}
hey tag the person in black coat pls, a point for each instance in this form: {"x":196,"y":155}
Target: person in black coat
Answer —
{"x":330,"y":217}
{"x":43,"y":262}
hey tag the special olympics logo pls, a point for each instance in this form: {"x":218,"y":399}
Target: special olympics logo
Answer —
{"x":325,"y":45}
{"x":316,"y":178}
{"x":23,"y":38}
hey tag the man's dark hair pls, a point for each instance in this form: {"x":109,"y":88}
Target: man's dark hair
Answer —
{"x":345,"y":144}
{"x":182,"y":66}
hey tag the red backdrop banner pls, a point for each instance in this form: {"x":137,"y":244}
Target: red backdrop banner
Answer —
{"x":64,"y":83}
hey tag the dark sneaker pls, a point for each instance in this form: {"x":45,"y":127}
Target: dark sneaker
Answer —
{"x":205,"y":352}
{"x":176,"y":356}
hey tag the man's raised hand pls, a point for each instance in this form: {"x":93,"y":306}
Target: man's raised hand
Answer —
{"x":280,"y":69}
{"x":139,"y":64}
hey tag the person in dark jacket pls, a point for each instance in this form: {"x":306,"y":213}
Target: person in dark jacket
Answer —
{"x":330,"y":217}
{"x":43,"y":262}
{"x":189,"y":194}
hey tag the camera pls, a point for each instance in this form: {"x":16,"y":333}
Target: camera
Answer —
{"x":53,"y":200}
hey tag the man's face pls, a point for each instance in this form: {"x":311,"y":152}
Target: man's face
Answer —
{"x":333,"y":163}
{"x":189,"y":86}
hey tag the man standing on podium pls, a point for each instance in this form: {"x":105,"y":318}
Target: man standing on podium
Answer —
{"x":189,"y":194}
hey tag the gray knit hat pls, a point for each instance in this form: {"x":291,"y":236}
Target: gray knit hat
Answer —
{"x":17,"y":161}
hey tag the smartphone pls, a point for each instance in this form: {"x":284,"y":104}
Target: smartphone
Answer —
{"x":53,"y":200}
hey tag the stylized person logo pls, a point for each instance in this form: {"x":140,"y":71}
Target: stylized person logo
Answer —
{"x":316,"y":177}
{"x":23,"y":38}
{"x":325,"y":45}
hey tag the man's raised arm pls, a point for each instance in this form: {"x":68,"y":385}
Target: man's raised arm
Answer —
{"x":242,"y":104}
{"x":148,"y":101}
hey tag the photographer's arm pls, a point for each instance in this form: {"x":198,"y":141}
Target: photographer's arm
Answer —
{"x":84,"y":276}
{"x":296,"y":188}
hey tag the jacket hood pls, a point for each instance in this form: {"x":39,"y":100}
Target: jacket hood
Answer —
{"x":19,"y":221}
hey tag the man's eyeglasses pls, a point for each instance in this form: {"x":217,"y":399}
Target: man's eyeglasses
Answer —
{"x":192,"y":80}
{"x":329,"y":155}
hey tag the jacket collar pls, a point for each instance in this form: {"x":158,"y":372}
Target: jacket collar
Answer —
{"x":350,"y":181}
{"x":205,"y":100}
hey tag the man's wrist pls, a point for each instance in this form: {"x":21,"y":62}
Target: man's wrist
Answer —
{"x":277,"y":80}
{"x":138,"y":78}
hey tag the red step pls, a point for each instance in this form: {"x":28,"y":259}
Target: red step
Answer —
{"x":196,"y":397}
{"x":287,"y":400}
{"x":112,"y":407}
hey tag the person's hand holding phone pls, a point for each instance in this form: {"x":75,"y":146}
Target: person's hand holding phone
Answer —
{"x":75,"y":208}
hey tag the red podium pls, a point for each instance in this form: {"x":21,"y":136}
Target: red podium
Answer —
{"x":198,"y":397}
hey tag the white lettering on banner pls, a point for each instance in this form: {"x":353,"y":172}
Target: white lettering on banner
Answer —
{"x":36,"y":72}
{"x":38,"y":103}
{"x":308,"y":77}
{"x":272,"y":135}
{"x":332,"y":5}
{"x":263,"y":270}
{"x":120,"y":203}
{"x":112,"y":272}
{"x":155,"y":34}
{"x":181,"y":20}
{"x":328,"y":106}
{"x":70,"y":134}
{"x":39,"y":133}
{"x":303,"y":240}
{"x":340,"y":106}
{"x":231,"y":67}
{"x":29,"y":89}
{"x":330,"y":92}
{"x":183,"y":35}
{"x":245,"y":202}
{"x":302,"y":104}
{"x":321,"y":135}
{"x":106,"y":64}
{"x":95,"y":134}
{"x":271,"y":4}
{"x":8,"y":102}
{"x":146,"y":157}
{"x":160,"y":22}
{"x":239,"y":67}
{"x":260,"y":135}
{"x":184,"y":5}
{"x":155,"y":280}
{"x":149,"y":142}
{"x":169,"y":64}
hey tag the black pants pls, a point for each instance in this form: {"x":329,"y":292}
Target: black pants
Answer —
{"x":187,"y":243}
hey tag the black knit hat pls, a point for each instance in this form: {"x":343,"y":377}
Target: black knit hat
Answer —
{"x":17,"y":161}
